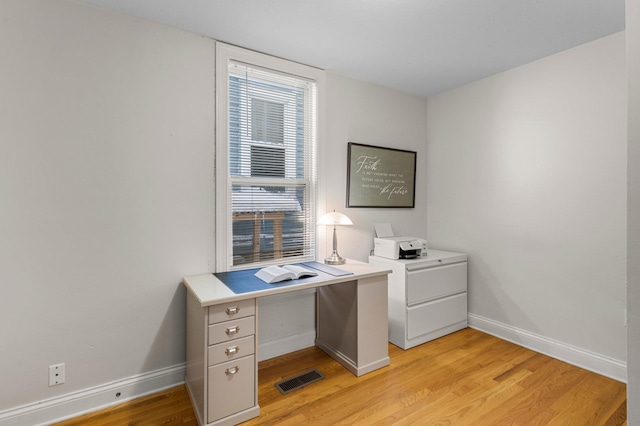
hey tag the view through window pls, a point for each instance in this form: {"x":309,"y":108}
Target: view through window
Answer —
{"x":271,"y":165}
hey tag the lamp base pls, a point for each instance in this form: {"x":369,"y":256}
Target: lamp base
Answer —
{"x":335,"y":259}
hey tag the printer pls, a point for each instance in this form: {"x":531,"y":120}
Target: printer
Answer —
{"x":385,"y":244}
{"x":399,"y":247}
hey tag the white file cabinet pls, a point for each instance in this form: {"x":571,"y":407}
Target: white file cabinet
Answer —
{"x":427,"y":296}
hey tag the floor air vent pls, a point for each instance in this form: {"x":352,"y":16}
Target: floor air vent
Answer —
{"x":299,"y":381}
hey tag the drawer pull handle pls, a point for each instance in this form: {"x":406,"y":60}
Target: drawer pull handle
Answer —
{"x":233,"y":330}
{"x":232,"y":350}
{"x":232,"y":370}
{"x":232,"y":310}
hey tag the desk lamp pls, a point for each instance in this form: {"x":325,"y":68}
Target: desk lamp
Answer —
{"x":334,"y":218}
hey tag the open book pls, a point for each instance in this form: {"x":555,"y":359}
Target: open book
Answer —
{"x":275,"y":274}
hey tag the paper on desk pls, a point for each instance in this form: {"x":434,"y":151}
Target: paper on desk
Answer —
{"x":383,"y":230}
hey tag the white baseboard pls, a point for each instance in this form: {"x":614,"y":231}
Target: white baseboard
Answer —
{"x":582,"y":358}
{"x":93,"y":399}
{"x":277,"y":347}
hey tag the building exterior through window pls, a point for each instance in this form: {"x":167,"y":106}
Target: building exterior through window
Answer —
{"x":271,"y":165}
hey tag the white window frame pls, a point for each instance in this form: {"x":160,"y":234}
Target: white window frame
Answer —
{"x":224,"y":54}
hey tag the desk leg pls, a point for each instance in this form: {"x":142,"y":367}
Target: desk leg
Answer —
{"x":352,"y":324}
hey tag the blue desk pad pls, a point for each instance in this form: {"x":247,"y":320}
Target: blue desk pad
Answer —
{"x":244,"y":280}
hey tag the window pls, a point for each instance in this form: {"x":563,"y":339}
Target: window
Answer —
{"x":265,"y":162}
{"x":267,"y":121}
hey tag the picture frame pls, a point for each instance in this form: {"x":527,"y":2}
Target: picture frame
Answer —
{"x":380,"y":177}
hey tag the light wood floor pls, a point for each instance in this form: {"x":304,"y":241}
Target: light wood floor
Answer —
{"x":465,"y":378}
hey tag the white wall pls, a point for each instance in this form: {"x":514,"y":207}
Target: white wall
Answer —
{"x":106,"y":189}
{"x":527,"y":174}
{"x":374,"y":115}
{"x":633,"y":235}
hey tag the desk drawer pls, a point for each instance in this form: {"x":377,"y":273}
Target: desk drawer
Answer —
{"x":431,"y":283}
{"x":230,"y":330}
{"x":228,"y":351}
{"x":232,"y":387}
{"x":232,"y":310}
{"x":431,"y":316}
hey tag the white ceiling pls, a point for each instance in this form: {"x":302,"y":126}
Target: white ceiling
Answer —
{"x":418,"y":46}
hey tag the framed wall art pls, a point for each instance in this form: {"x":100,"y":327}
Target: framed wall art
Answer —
{"x":380,"y":177}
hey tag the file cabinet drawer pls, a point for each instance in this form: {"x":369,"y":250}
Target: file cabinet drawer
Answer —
{"x":228,"y":351}
{"x":431,"y":283}
{"x":231,"y":387}
{"x":230,"y":330}
{"x":231,"y":310}
{"x":432,"y":316}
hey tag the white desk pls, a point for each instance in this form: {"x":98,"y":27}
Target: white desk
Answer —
{"x":222,"y":341}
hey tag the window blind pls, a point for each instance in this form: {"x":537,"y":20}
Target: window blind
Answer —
{"x":271,"y":182}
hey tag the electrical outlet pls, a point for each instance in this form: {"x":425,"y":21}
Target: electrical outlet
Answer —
{"x":56,"y":374}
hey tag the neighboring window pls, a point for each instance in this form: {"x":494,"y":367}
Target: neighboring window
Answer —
{"x":267,"y":161}
{"x":269,"y":207}
{"x":267,"y":121}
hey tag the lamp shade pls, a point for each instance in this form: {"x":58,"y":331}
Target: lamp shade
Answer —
{"x":334,"y":218}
